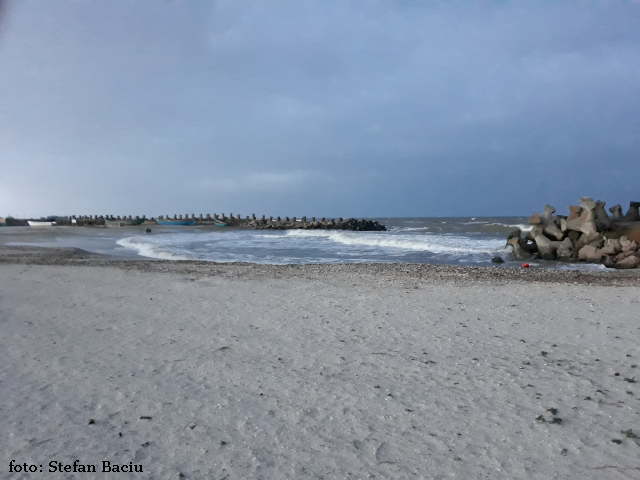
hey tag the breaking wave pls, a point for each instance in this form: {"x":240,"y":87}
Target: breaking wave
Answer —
{"x":426,"y":243}
{"x":146,"y":249}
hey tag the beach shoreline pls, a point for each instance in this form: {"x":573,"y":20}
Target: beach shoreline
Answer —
{"x":379,"y":274}
{"x":317,"y":371}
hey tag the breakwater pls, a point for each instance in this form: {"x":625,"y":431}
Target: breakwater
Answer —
{"x":587,"y":234}
{"x":231,"y":220}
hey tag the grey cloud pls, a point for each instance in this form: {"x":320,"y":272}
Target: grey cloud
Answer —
{"x":397,"y":108}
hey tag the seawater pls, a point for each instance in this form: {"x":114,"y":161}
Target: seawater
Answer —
{"x":467,"y":241}
{"x":435,"y":240}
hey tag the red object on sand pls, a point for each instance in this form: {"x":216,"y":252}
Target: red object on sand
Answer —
{"x":525,"y":265}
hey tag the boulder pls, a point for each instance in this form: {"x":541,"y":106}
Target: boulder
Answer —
{"x":565,"y":249}
{"x":628,"y":245}
{"x":549,"y":226}
{"x":544,"y":244}
{"x":616,"y":213}
{"x":546,"y":220}
{"x":520,"y":247}
{"x":590,"y":253}
{"x":497,"y":260}
{"x":586,"y":240}
{"x":563,"y":225}
{"x":633,"y":215}
{"x":622,"y":256}
{"x":585,"y":223}
{"x":631,"y":261}
{"x":608,"y":262}
{"x":575,"y":212}
{"x":612,"y":247}
{"x":534,"y":219}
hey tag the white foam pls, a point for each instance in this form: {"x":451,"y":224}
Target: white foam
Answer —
{"x":425,"y":243}
{"x":146,"y":249}
{"x":521,"y":226}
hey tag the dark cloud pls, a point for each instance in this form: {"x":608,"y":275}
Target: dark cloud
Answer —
{"x":318,"y":108}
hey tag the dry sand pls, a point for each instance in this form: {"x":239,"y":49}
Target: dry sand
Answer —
{"x":347,"y":371}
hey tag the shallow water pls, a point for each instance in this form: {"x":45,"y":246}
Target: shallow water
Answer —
{"x":456,"y":241}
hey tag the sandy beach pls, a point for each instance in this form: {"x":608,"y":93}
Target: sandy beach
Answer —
{"x":210,"y":371}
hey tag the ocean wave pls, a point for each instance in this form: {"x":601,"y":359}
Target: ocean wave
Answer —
{"x":150,"y":250}
{"x":433,"y":244}
{"x":415,"y":229}
{"x":521,"y":226}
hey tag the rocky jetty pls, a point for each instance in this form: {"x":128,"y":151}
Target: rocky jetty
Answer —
{"x":231,"y":220}
{"x":313,"y":224}
{"x":587,"y":234}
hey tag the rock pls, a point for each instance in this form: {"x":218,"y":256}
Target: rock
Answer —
{"x":586,"y":240}
{"x":497,"y":260}
{"x":546,"y":220}
{"x":608,"y":262}
{"x":574,"y":236}
{"x":575,"y":212}
{"x":622,"y":256}
{"x":612,"y":247}
{"x":631,"y":261}
{"x":548,"y":211}
{"x":585,"y":223}
{"x":519,"y":245}
{"x":563,"y":225}
{"x":565,"y":249}
{"x":633,"y":215}
{"x":628,"y":246}
{"x":534,"y":219}
{"x":547,"y":256}
{"x":590,"y":253}
{"x":616,"y":212}
{"x":544,"y":244}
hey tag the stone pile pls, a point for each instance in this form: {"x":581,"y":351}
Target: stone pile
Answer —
{"x":313,"y":224}
{"x":232,"y":220}
{"x":587,"y":234}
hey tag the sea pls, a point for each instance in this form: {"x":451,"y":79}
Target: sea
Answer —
{"x":433,"y":240}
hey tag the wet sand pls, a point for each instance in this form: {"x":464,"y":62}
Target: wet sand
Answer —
{"x":317,"y":371}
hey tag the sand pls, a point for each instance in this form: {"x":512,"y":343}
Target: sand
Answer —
{"x":208,"y":371}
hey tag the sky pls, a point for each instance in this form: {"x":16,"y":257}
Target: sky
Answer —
{"x":317,"y":107}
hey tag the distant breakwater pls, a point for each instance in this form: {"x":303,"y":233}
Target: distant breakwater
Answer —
{"x":587,"y":234}
{"x":231,"y":220}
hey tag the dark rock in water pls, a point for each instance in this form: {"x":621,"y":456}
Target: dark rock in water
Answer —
{"x":148,"y":230}
{"x":609,"y":263}
{"x":548,"y":256}
{"x":497,"y":260}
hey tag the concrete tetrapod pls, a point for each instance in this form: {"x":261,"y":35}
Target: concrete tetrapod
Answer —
{"x":546,"y":221}
{"x":520,"y":247}
{"x":616,"y":212}
{"x":585,"y":223}
{"x":633,"y":215}
{"x":603,"y":222}
{"x":546,"y":247}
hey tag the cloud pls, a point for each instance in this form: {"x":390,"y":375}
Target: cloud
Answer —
{"x":403,"y":108}
{"x":266,"y":182}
